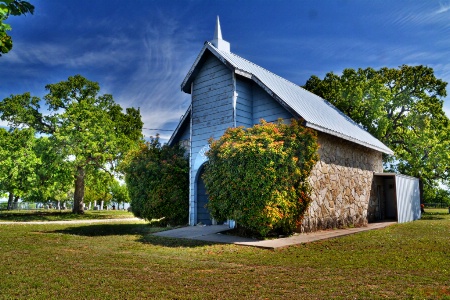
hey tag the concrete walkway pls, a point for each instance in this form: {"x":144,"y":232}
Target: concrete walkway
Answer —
{"x":213,"y":234}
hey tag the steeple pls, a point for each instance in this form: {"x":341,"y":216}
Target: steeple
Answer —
{"x":218,"y":42}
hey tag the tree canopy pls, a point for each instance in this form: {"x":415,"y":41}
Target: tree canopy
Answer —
{"x":119,"y":193}
{"x":89,"y":130}
{"x":53,"y":173}
{"x":403,"y":108}
{"x":11,"y":8}
{"x":17,"y":163}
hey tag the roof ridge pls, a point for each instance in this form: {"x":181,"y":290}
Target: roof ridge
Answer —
{"x":297,"y":86}
{"x":294,"y":95}
{"x":268,"y":71}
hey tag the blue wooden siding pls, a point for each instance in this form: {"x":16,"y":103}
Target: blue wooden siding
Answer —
{"x":186,"y":134}
{"x":212,"y":114}
{"x":244,"y":107}
{"x":265,"y":107}
{"x":254,"y":104}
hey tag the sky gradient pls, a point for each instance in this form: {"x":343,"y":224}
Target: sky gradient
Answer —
{"x":140,"y":51}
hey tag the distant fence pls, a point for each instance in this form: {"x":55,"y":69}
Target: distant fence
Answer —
{"x":31,"y":206}
{"x":66,"y":206}
{"x":436,"y":205}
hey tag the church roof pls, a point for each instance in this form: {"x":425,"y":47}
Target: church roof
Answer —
{"x":318,"y":113}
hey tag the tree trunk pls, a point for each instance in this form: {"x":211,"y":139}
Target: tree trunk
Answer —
{"x":10,"y":201}
{"x":16,"y":202}
{"x":421,"y":190}
{"x":78,"y":196}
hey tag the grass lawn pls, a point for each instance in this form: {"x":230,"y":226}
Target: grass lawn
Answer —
{"x":56,"y":215}
{"x":124,"y":261}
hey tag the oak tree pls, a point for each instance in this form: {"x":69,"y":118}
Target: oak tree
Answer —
{"x":119,"y":193}
{"x":403,"y":108}
{"x":90,"y":130}
{"x":17,"y":163}
{"x":53,"y":173}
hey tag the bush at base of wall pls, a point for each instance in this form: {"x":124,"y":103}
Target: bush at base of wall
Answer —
{"x":157,"y":179}
{"x":258,"y":176}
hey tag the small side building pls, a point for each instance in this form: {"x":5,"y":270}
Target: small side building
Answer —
{"x":395,"y":197}
{"x":228,"y":91}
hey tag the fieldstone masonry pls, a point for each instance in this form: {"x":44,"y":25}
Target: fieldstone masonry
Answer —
{"x":341,"y":184}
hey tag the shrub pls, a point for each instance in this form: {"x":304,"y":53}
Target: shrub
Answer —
{"x":157,"y":179}
{"x":258,"y":176}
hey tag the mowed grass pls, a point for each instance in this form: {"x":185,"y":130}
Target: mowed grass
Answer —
{"x":124,"y":261}
{"x":63,"y":215}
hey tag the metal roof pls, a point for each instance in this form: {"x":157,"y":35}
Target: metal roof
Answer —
{"x":318,"y":113}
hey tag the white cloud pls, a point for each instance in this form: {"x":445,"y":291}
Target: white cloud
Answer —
{"x":447,"y":110}
{"x":144,"y":70}
{"x":165,"y":57}
{"x":442,"y":9}
{"x":4,"y":124}
{"x":71,"y":54}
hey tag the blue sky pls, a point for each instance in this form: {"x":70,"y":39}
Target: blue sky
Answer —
{"x":140,"y":51}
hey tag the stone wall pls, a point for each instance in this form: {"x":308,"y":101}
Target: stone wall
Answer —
{"x":341,"y":184}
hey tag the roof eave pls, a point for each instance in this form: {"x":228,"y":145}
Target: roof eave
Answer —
{"x":186,"y":87}
{"x":385,"y":150}
{"x":180,"y":124}
{"x":186,"y":84}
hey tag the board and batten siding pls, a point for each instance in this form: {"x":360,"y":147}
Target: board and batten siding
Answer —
{"x":254,"y":104}
{"x":212,"y":114}
{"x":408,"y":198}
{"x":265,"y":107}
{"x":244,"y":103}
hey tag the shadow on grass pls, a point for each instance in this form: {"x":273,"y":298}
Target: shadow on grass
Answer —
{"x":432,"y":217}
{"x":55,"y":215}
{"x":144,"y":231}
{"x":435,"y":215}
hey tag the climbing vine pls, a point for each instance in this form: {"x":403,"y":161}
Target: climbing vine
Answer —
{"x":258,"y":176}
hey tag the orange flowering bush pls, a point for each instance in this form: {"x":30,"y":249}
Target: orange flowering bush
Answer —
{"x":258,"y":176}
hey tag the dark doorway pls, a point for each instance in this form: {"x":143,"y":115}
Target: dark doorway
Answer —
{"x":390,"y":198}
{"x":203,"y":215}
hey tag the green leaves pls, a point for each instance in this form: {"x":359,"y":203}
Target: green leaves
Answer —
{"x":15,"y":7}
{"x":258,"y":176}
{"x":17,"y":161}
{"x":157,"y":178}
{"x":90,"y":129}
{"x":402,"y":108}
{"x":7,"y":8}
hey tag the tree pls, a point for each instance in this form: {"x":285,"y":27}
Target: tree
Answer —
{"x":98,"y":187}
{"x":258,"y":176}
{"x":438,"y":195}
{"x":90,"y":130}
{"x":8,"y":8}
{"x":17,"y":163}
{"x":119,"y":193}
{"x":157,"y":178}
{"x":401,"y":107}
{"x":53,"y":173}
